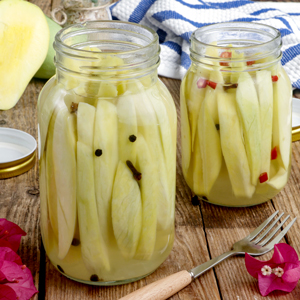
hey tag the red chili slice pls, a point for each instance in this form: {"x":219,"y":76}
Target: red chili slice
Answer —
{"x":274,"y":153}
{"x":250,"y":63}
{"x":201,"y":83}
{"x":224,"y":64}
{"x":274,"y":78}
{"x":263,"y":177}
{"x":212,"y":84}
{"x":225,"y":54}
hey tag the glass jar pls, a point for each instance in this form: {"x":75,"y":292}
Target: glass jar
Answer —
{"x":79,"y":11}
{"x":107,"y":132}
{"x":236,"y":115}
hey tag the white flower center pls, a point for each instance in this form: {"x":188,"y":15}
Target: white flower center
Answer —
{"x":266,"y":270}
{"x":278,"y":271}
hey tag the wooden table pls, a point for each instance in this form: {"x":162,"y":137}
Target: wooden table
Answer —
{"x":202,"y":232}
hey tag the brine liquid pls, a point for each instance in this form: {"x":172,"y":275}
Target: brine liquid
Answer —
{"x":122,"y":230}
{"x":236,"y":134}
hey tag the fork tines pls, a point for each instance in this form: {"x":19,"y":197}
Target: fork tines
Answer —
{"x":260,"y":228}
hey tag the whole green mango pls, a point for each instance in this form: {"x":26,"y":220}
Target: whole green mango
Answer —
{"x":47,"y":69}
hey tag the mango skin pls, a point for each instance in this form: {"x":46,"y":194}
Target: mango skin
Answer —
{"x":47,"y":69}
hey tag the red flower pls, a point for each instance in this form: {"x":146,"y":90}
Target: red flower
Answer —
{"x":10,"y":234}
{"x":284,"y":266}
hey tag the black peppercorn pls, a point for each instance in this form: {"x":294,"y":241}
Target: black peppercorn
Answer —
{"x":132,"y":138}
{"x":98,"y":152}
{"x":94,"y":277}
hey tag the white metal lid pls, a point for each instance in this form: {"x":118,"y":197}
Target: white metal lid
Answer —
{"x":17,"y":152}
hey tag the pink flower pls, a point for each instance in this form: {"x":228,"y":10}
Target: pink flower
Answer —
{"x":16,"y":282}
{"x":285,"y":268}
{"x":10,"y":235}
{"x":20,"y":282}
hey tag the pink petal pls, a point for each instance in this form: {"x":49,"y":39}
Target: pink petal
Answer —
{"x":8,"y":254}
{"x":10,"y":271}
{"x":284,"y":253}
{"x":291,"y":272}
{"x":25,"y":288}
{"x":11,"y":233}
{"x":254,"y":265}
{"x":267,"y":284}
{"x":7,"y":293}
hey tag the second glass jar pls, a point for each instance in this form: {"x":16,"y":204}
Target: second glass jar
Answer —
{"x":236,"y":115}
{"x":107,"y":148}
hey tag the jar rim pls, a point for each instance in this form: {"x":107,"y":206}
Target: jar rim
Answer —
{"x":194,"y":38}
{"x":60,"y":41}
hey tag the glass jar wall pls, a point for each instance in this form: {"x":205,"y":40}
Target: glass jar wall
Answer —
{"x":107,"y":132}
{"x":236,"y":115}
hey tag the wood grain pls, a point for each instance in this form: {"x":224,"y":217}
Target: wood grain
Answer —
{"x":202,"y":232}
{"x":19,"y":196}
{"x":163,"y":288}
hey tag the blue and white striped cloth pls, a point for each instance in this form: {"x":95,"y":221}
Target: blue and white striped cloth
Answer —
{"x":175,"y":20}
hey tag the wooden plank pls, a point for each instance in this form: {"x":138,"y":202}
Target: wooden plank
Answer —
{"x":19,"y":196}
{"x":224,"y":226}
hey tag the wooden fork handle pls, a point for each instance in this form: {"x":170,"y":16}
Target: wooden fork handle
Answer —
{"x":163,"y":288}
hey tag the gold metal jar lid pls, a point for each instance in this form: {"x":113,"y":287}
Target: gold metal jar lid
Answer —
{"x":17,"y":152}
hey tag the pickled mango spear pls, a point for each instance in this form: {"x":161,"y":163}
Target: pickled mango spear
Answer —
{"x":249,"y":114}
{"x":233,"y":147}
{"x":265,"y":97}
{"x":106,"y":143}
{"x":168,"y":141}
{"x":51,"y":184}
{"x":127,"y":128}
{"x":282,"y":123}
{"x":64,"y":165}
{"x":148,"y":127}
{"x":94,"y":252}
{"x":149,"y":185}
{"x":216,"y":77}
{"x":126,"y":211}
{"x":93,"y":249}
{"x":279,"y":180}
{"x":197,"y":168}
{"x":210,"y":145}
{"x":108,"y":88}
{"x":194,"y":98}
{"x":195,"y":94}
{"x":237,"y":67}
{"x":52,"y":91}
{"x":186,"y":144}
{"x":45,"y":221}
{"x":85,"y":124}
{"x":211,"y":101}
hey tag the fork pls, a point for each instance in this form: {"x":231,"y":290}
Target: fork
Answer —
{"x":253,"y":244}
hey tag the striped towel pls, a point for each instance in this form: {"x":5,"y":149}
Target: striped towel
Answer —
{"x":175,"y":20}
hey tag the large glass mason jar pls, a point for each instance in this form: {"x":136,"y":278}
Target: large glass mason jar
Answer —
{"x":107,"y":147}
{"x":236,"y":115}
